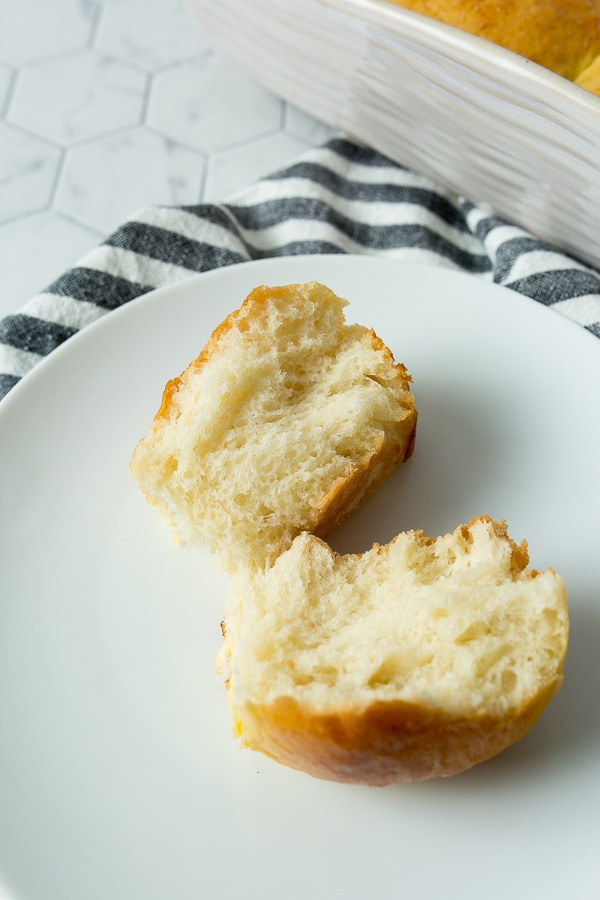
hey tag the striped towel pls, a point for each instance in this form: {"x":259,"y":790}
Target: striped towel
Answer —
{"x":339,"y":198}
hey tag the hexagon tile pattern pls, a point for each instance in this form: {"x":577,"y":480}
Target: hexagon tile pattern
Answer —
{"x":110,"y":105}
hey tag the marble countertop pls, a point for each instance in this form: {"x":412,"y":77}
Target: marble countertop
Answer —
{"x":110,"y":105}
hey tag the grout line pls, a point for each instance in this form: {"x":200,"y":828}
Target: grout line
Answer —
{"x":204,"y":179}
{"x":57,"y":176}
{"x":69,"y":217}
{"x":145,"y":105}
{"x":10,"y":90}
{"x":32,"y":213}
{"x":22,"y":129}
{"x":176,"y":142}
{"x":96,"y":19}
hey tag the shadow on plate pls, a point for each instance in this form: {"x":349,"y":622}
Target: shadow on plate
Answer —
{"x":463,"y":465}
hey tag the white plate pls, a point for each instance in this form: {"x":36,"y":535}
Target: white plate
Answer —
{"x":479,"y":119}
{"x":119,"y":779}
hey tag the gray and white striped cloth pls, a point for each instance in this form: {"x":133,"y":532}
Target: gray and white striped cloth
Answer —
{"x":339,"y":198}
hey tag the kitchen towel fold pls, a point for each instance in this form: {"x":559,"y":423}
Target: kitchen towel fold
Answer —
{"x":339,"y":198}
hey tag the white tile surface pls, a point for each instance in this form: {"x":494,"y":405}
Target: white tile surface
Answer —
{"x":77,"y":96}
{"x":107,"y":106}
{"x":6,"y":77}
{"x":151,"y":35}
{"x":305,"y":128}
{"x":140,"y":168}
{"x":52,"y":240}
{"x":34,"y":29}
{"x":208,"y":104}
{"x":235,"y":167}
{"x":28,"y":169}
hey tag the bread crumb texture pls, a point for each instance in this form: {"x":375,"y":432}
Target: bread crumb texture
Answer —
{"x":561,"y":35}
{"x":413,"y":660}
{"x":287,"y":420}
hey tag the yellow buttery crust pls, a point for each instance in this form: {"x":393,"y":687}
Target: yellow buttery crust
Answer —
{"x":388,"y":742}
{"x":173,"y":463}
{"x":301,"y":653}
{"x":561,"y":35}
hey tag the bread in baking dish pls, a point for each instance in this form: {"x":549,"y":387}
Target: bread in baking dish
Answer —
{"x":561,"y":35}
{"x":286,"y":421}
{"x":413,"y":660}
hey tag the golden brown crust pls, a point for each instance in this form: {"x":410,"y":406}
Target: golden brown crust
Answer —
{"x":347,"y":494}
{"x":561,"y":35}
{"x":382,"y":740}
{"x":256,"y":297}
{"x":387,"y":742}
{"x":365,"y":475}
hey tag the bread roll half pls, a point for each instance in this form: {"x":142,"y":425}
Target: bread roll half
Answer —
{"x":414,"y":660}
{"x":286,"y":421}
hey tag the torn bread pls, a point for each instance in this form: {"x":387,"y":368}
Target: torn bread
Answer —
{"x":413,"y":660}
{"x":287,"y":421}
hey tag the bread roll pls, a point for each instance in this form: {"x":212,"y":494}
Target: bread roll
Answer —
{"x":561,"y":35}
{"x":414,"y":660}
{"x":286,"y":421}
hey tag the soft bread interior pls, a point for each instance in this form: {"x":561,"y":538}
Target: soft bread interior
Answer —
{"x":457,"y":627}
{"x":413,"y":660}
{"x":287,"y":420}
